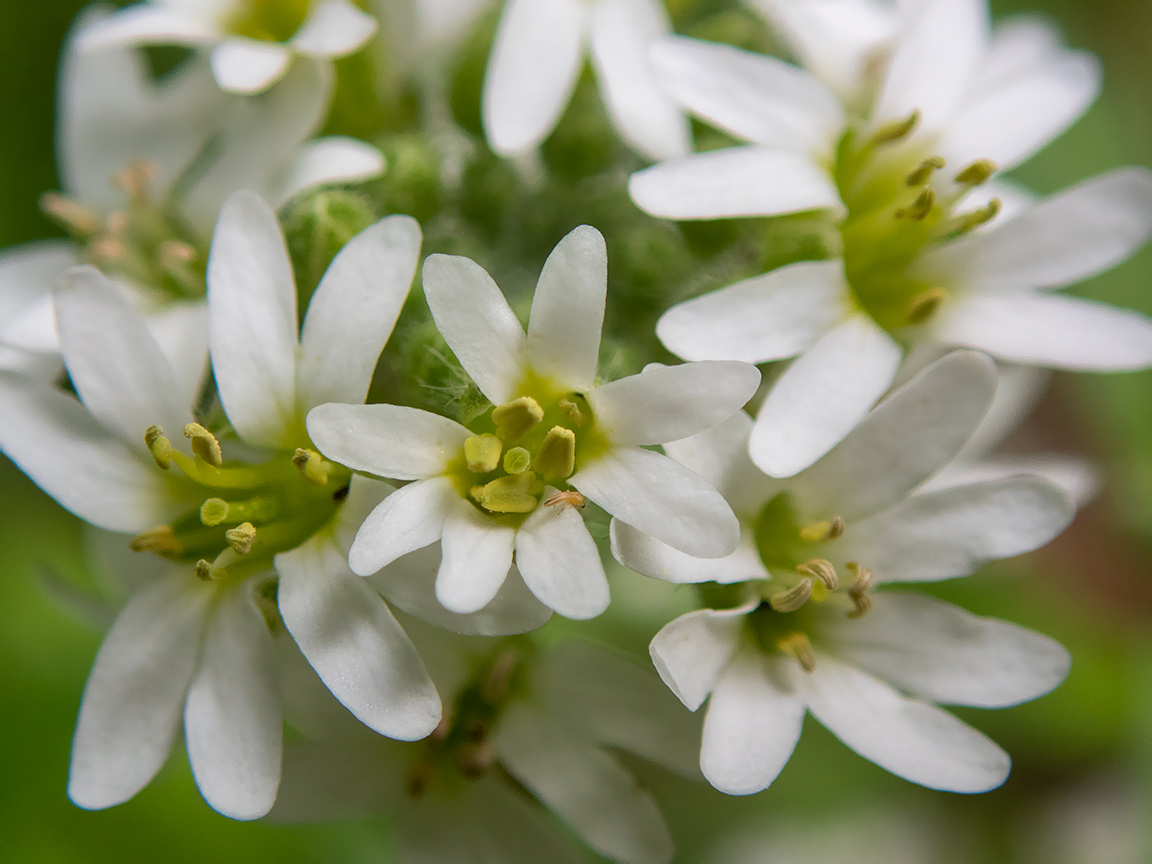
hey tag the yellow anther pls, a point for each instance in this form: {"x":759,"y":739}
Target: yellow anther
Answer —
{"x":209,"y":572}
{"x":517,"y":460}
{"x":516,"y":418}
{"x":241,"y":538}
{"x":793,"y":598}
{"x":819,"y":532}
{"x":926,"y":304}
{"x":159,"y":446}
{"x":919,"y":208}
{"x":837,"y":530}
{"x":105,"y":250}
{"x":923,"y":174}
{"x":799,"y":647}
{"x":859,"y":591}
{"x":557,"y":457}
{"x":214,"y":511}
{"x":822,"y":569}
{"x":571,"y":498}
{"x":204,"y":443}
{"x":482,"y":453}
{"x":976,"y":173}
{"x":161,"y":540}
{"x":973,"y":220}
{"x":71,"y":215}
{"x":311,"y":465}
{"x":137,"y":179}
{"x":174,"y":252}
{"x":892,"y":132}
{"x":571,"y":411}
{"x":516,"y":493}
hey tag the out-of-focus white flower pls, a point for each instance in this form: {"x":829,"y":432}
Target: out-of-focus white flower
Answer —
{"x":411,"y":30}
{"x":197,"y":632}
{"x":516,"y":482}
{"x":797,"y":638}
{"x":537,"y":59}
{"x":952,"y":107}
{"x":252,"y":42}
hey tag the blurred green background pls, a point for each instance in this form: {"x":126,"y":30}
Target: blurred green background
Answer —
{"x":1082,"y":785}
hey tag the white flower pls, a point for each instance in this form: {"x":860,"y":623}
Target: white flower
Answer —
{"x":252,"y":42}
{"x":537,"y":58}
{"x":412,"y":30}
{"x":514,"y":483}
{"x":197,"y":633}
{"x":805,"y":632}
{"x":952,"y":107}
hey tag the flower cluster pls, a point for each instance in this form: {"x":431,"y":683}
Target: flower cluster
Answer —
{"x":361,"y":523}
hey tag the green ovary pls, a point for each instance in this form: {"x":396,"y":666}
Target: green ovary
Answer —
{"x":269,"y":20}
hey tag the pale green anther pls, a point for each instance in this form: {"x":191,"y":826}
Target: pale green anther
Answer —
{"x":516,"y":493}
{"x":557,"y":457}
{"x":204,"y":443}
{"x":161,"y":540}
{"x":572,"y":411}
{"x":793,"y":598}
{"x":926,"y":304}
{"x":241,"y":538}
{"x":311,"y":465}
{"x":924,"y":173}
{"x":482,"y":453}
{"x":919,"y":208}
{"x":159,"y":446}
{"x":516,"y":418}
{"x":976,"y":173}
{"x":972,"y":221}
{"x":214,"y":511}
{"x":897,"y":130}
{"x":799,"y":647}
{"x":208,"y":572}
{"x":517,"y":460}
{"x":821,"y":569}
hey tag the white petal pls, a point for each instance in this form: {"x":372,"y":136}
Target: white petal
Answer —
{"x":823,"y":395}
{"x":116,"y":366}
{"x":913,"y":740}
{"x":410,"y":518}
{"x":326,"y":161}
{"x":720,"y":456}
{"x":909,"y":437}
{"x":560,"y":562}
{"x":232,"y":721}
{"x":691,"y":652}
{"x":943,"y":653}
{"x":935,"y":62}
{"x":252,"y":323}
{"x":953,"y":532}
{"x":352,"y":313}
{"x":737,"y":181}
{"x":28,"y":274}
{"x":1061,"y":240}
{"x":584,"y":786}
{"x":180,"y":328}
{"x":667,"y":403}
{"x":248,"y":66}
{"x":355,"y":645}
{"x":142,"y":24}
{"x":73,"y":458}
{"x":333,"y":28}
{"x":477,"y":323}
{"x":768,"y":317}
{"x":1079,"y":478}
{"x":660,"y":497}
{"x":532,"y":71}
{"x":752,"y":726}
{"x":754,"y":97}
{"x":647,"y":117}
{"x":408,"y":584}
{"x":649,"y":556}
{"x":135,"y":694}
{"x":1059,"y":332}
{"x":477,"y":552}
{"x":568,"y":310}
{"x":386,"y":440}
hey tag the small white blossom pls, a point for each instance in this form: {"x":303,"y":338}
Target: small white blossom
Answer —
{"x":252,"y":42}
{"x":515,"y":484}
{"x":537,"y":58}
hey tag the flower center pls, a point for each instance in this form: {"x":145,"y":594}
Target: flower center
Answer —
{"x":248,"y":512}
{"x":519,"y":447}
{"x":268,"y":20}
{"x":141,"y":242}
{"x":901,"y":199}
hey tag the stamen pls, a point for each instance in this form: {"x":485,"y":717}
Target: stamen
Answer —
{"x":924,"y":173}
{"x":204,"y":443}
{"x":973,"y":220}
{"x":515,"y":493}
{"x":241,"y":538}
{"x":572,"y":411}
{"x":206,"y":572}
{"x":161,"y":540}
{"x":897,"y":130}
{"x":859,"y":590}
{"x":137,"y":179}
{"x":793,"y":598}
{"x":976,"y":173}
{"x":799,"y":647}
{"x":516,"y":418}
{"x":482,"y":453}
{"x":821,"y":569}
{"x":71,"y":215}
{"x":571,"y":498}
{"x":926,"y":304}
{"x":500,"y":678}
{"x":517,"y":460}
{"x":159,"y":446}
{"x":557,"y":457}
{"x":311,"y":465}
{"x":818,"y":532}
{"x":919,"y":208}
{"x":216,"y":511}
